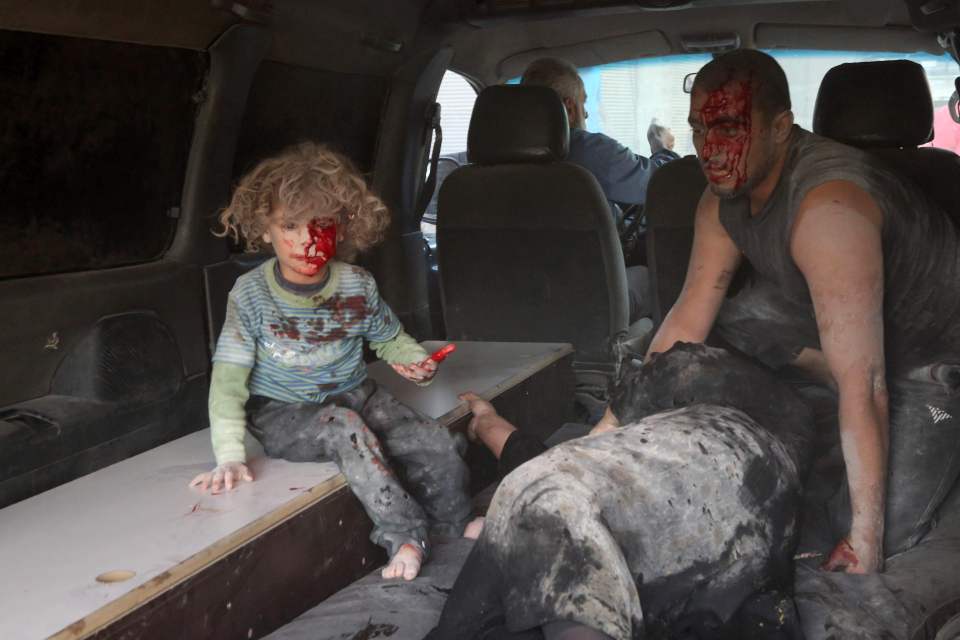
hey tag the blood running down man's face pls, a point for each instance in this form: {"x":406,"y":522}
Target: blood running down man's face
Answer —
{"x":732,"y":139}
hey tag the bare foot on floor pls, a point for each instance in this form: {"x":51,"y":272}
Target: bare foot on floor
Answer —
{"x":474,"y":527}
{"x":404,"y":564}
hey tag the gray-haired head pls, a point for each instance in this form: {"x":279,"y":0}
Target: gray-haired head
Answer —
{"x":562,"y":77}
{"x":659,"y":137}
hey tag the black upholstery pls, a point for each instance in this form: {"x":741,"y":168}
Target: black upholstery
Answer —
{"x":527,"y":249}
{"x":517,"y":124}
{"x":672,"y":198}
{"x":875,"y":105}
{"x":890,"y":121}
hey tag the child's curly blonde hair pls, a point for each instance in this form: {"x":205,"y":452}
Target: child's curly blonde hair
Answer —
{"x":306,"y":181}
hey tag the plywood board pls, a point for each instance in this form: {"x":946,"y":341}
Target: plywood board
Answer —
{"x":486,"y":368}
{"x":139,"y":515}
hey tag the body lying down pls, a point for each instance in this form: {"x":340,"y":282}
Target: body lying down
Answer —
{"x":661,"y":528}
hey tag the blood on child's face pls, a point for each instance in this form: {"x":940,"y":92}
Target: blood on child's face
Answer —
{"x":724,"y":136}
{"x":303,"y":249}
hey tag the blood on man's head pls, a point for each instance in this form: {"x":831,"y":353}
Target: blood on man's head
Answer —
{"x":741,"y":120}
{"x":768,"y":83}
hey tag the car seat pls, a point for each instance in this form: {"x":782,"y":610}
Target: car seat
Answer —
{"x":672,"y":198}
{"x":527,"y":249}
{"x":857,"y":105}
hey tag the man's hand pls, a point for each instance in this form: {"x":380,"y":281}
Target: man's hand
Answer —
{"x":417,"y":371}
{"x":850,"y":557}
{"x":228,"y":473}
{"x":479,"y":408}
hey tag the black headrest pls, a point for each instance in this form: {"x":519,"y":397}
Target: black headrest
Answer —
{"x":517,"y":124}
{"x":875,"y":104}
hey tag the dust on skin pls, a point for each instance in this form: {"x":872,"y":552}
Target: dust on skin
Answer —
{"x":849,"y":316}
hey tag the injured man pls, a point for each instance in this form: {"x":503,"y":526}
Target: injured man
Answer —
{"x":659,"y":528}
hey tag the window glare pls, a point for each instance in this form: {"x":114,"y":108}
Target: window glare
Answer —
{"x":456,"y":98}
{"x":624,"y":97}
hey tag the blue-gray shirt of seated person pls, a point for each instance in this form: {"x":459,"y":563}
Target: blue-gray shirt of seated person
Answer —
{"x":622,"y":174}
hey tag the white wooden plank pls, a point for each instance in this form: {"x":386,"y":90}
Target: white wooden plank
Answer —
{"x":140,"y":516}
{"x":137,"y":515}
{"x":486,"y":368}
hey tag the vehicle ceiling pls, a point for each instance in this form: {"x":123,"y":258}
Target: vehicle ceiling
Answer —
{"x":492,"y":39}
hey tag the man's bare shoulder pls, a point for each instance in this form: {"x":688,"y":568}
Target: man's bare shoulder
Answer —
{"x":837,"y":218}
{"x":837,"y":198}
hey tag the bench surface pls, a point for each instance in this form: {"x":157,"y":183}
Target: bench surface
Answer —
{"x":140,"y":516}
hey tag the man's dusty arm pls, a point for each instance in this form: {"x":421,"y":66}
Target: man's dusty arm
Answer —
{"x":713,"y":261}
{"x":837,"y":245}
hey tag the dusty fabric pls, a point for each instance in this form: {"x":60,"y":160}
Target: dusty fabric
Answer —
{"x":924,"y":414}
{"x":919,"y":587}
{"x":662,"y":527}
{"x":383,"y":448}
{"x":924,"y":460}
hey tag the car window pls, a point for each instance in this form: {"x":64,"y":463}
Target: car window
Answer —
{"x":456,"y":97}
{"x":624,"y":97}
{"x":94,"y":144}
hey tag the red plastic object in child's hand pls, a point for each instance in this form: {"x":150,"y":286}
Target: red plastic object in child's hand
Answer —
{"x":441,"y":354}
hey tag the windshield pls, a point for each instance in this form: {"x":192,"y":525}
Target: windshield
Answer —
{"x":623,"y":98}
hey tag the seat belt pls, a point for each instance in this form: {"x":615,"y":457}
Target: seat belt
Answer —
{"x":426,"y":192}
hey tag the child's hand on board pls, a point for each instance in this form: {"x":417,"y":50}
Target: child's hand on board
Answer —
{"x":417,"y":371}
{"x":227,"y":474}
{"x":423,"y":371}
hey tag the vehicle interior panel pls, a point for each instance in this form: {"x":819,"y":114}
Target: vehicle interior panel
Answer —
{"x":100,"y":391}
{"x":399,"y":178}
{"x":346,"y":113}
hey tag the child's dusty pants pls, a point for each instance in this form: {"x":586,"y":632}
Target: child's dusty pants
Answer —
{"x":416,"y":452}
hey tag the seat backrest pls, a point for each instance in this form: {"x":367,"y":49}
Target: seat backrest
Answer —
{"x":526,"y":247}
{"x":886,"y":108}
{"x":672,"y":198}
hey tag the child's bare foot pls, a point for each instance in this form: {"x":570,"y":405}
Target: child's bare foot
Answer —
{"x":473,"y":528}
{"x":404,"y":564}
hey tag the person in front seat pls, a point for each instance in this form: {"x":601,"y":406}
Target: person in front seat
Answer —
{"x":622,"y":174}
{"x":289,"y":360}
{"x":661,"y":142}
